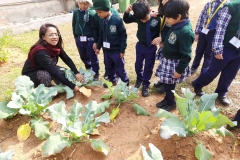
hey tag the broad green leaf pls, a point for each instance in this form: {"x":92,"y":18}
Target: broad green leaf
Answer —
{"x":182,"y":104}
{"x":38,"y":93}
{"x":202,"y":153}
{"x":59,"y":113}
{"x":23,"y":132}
{"x":188,"y":94}
{"x":221,"y":121}
{"x":5,"y":111}
{"x":51,"y":92}
{"x":24,"y":86}
{"x":100,"y":146}
{"x":114,"y":113}
{"x":163,"y":113}
{"x":16,"y":101}
{"x":224,"y":132}
{"x":106,"y":96}
{"x":145,"y":154}
{"x":6,"y":155}
{"x":101,"y":107}
{"x":76,"y":128}
{"x":24,"y":111}
{"x":105,"y":118}
{"x":109,"y":84}
{"x":59,"y":88}
{"x":89,"y":112}
{"x":94,"y":83}
{"x":55,"y":144}
{"x":155,"y":152}
{"x":41,"y":128}
{"x":207,"y":102}
{"x":70,"y":75}
{"x":140,"y":110}
{"x":205,"y":120}
{"x":69,"y":92}
{"x":75,"y":112}
{"x":192,"y":120}
{"x":172,"y":126}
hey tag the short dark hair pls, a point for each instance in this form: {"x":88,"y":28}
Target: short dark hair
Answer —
{"x":141,"y":9}
{"x":175,"y":7}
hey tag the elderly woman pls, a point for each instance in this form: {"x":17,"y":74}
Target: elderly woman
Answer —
{"x":41,"y":64}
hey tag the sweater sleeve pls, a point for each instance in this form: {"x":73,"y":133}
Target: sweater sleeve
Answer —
{"x":68,"y":61}
{"x":100,"y":36}
{"x":43,"y":59}
{"x":123,"y":36}
{"x":185,"y":48}
{"x":128,"y":18}
{"x":74,"y":24}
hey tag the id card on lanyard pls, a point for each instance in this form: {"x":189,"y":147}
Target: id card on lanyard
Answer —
{"x":205,"y":30}
{"x":236,"y":39}
{"x":82,"y":38}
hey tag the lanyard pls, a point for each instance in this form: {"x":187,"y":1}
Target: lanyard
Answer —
{"x":82,"y":28}
{"x":163,"y":23}
{"x":209,"y":11}
{"x":105,"y":22}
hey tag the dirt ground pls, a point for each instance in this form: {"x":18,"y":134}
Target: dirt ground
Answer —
{"x":129,"y":131}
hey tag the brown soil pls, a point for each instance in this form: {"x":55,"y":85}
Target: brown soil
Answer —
{"x":129,"y":131}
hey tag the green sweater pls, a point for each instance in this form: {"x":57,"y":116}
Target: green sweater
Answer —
{"x":232,"y":28}
{"x":141,"y":32}
{"x":113,"y":32}
{"x":178,"y":44}
{"x":90,"y":28}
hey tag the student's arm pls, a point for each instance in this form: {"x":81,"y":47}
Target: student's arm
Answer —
{"x":222,"y":23}
{"x":127,"y":17}
{"x":185,"y":49}
{"x":74,"y":24}
{"x":123,"y":37}
{"x":100,"y":36}
{"x":43,"y":59}
{"x":202,"y":18}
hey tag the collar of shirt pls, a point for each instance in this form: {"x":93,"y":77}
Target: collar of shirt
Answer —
{"x":82,"y":11}
{"x":109,"y":17}
{"x":178,"y":25}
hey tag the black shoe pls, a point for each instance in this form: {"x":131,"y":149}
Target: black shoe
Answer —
{"x":145,"y":91}
{"x":198,"y":92}
{"x":193,"y":70}
{"x":105,"y":76}
{"x":161,"y":103}
{"x":169,"y":107}
{"x":223,"y":100}
{"x":161,"y":89}
{"x":113,"y":84}
{"x":138,"y":84}
{"x":158,"y":84}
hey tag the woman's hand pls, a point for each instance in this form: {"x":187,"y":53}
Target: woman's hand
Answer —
{"x":80,"y":77}
{"x":176,"y":75}
{"x":157,"y":41}
{"x":76,"y":88}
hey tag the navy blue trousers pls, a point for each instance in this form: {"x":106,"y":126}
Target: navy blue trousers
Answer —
{"x":115,"y":65}
{"x":228,"y":67}
{"x":169,"y":94}
{"x":204,"y":48}
{"x":144,"y":54}
{"x":88,"y":55}
{"x":237,"y":117}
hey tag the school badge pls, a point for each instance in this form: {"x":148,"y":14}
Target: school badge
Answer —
{"x":172,"y":38}
{"x":113,"y":29}
{"x":154,"y":22}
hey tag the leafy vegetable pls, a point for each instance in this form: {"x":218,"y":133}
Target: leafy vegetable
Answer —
{"x":6,"y":112}
{"x":41,"y":128}
{"x":140,"y":110}
{"x":202,"y":153}
{"x":100,"y":146}
{"x":23,"y":132}
{"x":154,"y":154}
{"x":6,"y":155}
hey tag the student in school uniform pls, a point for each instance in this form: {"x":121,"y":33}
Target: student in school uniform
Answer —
{"x":148,"y":37}
{"x":226,"y":59}
{"x":85,"y":34}
{"x":176,"y":54}
{"x":113,"y":40}
{"x":204,"y":33}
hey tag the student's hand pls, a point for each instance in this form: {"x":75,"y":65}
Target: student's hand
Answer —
{"x":196,"y":37}
{"x":176,"y":75}
{"x":129,"y":9}
{"x":97,"y":51}
{"x":219,"y":56}
{"x":94,"y":46}
{"x":121,"y":55}
{"x":80,"y":77}
{"x":76,"y":88}
{"x":154,"y":14}
{"x":157,"y":41}
{"x":161,"y":45}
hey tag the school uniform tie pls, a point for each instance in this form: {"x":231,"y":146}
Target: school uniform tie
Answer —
{"x":148,"y":34}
